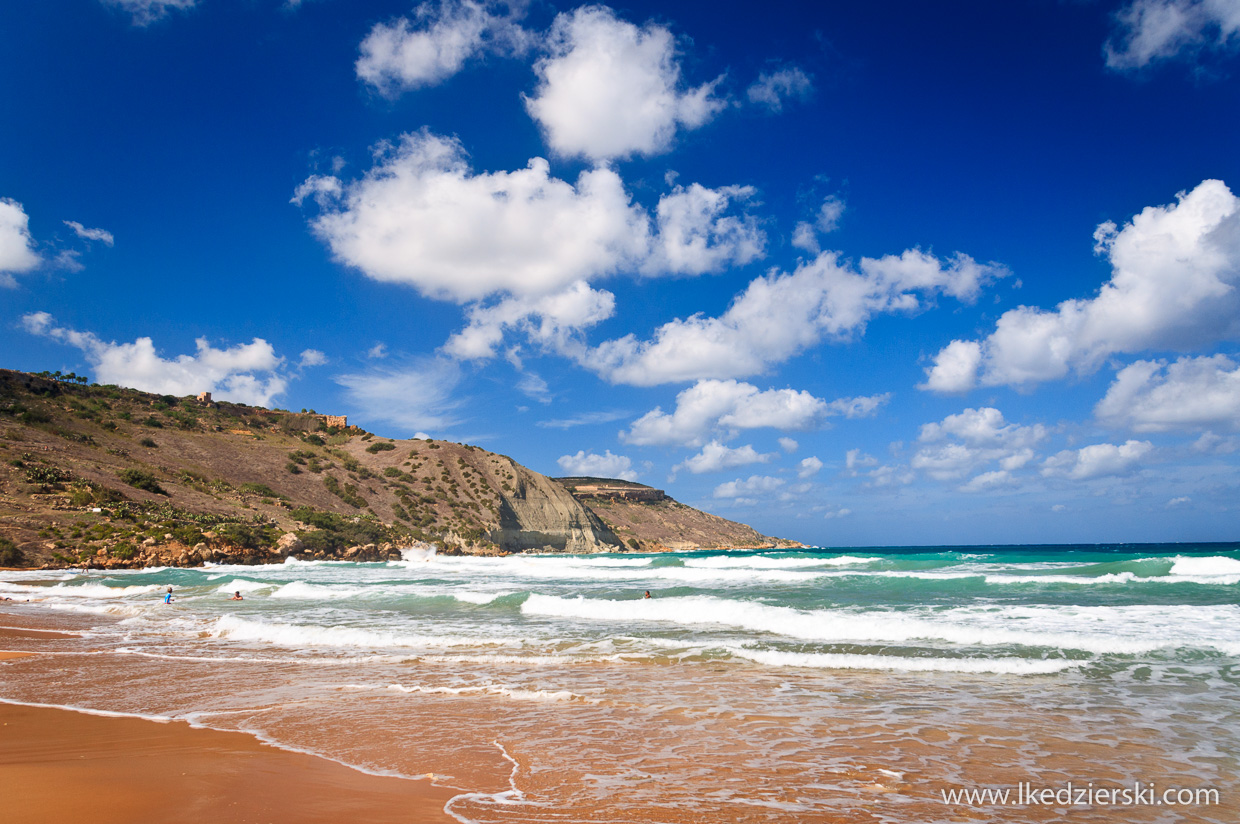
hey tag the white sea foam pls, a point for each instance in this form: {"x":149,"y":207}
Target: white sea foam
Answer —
{"x":317,"y":592}
{"x":1115,"y":630}
{"x":514,"y":693}
{"x":242,"y":585}
{"x":113,"y":609}
{"x":768,"y":562}
{"x":685,"y":574}
{"x":159,"y":719}
{"x":1211,"y":566}
{"x":67,"y":590}
{"x":236,"y":628}
{"x":574,"y":561}
{"x":1006,"y":666}
{"x":1083,"y":580}
{"x":418,"y":552}
{"x":1118,"y":578}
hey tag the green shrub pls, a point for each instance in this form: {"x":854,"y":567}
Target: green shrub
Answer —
{"x":33,"y":416}
{"x":381,"y":446}
{"x":292,"y":468}
{"x":259,"y":489}
{"x":188,"y":535}
{"x":153,"y":422}
{"x":249,"y":536}
{"x":333,"y":532}
{"x":141,"y":480}
{"x":47,"y":476}
{"x":149,"y":443}
{"x":348,"y":494}
{"x":11,"y":554}
{"x":124,"y":551}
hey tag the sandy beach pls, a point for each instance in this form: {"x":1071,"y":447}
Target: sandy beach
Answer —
{"x":59,"y":765}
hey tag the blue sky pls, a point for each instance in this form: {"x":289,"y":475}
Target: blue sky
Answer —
{"x":854,"y":274}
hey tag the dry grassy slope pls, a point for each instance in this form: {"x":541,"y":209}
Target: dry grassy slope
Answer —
{"x":225,"y":460}
{"x":64,"y":448}
{"x":670,"y":525}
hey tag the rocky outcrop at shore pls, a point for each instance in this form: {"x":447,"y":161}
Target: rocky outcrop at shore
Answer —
{"x":176,"y":554}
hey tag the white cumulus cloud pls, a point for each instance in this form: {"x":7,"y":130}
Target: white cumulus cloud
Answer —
{"x":974,"y":438}
{"x":808,"y":467}
{"x":312,"y":357}
{"x":608,"y":89}
{"x":591,"y":465}
{"x":549,"y":320}
{"x":716,"y":457}
{"x":1151,"y":30}
{"x":421,"y":217}
{"x":16,"y":246}
{"x":779,"y":315}
{"x":697,"y":236}
{"x":246,"y":373}
{"x":1191,"y":393}
{"x":1097,"y":460}
{"x":754,"y":484}
{"x":730,"y":406}
{"x":435,"y":43}
{"x":1173,"y":285}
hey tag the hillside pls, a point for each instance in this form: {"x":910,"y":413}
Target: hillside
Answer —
{"x":114,"y":477}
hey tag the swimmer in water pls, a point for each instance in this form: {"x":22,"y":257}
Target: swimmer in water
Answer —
{"x":647,"y":594}
{"x":168,"y":597}
{"x":236,"y":596}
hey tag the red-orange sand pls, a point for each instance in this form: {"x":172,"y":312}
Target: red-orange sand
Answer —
{"x":60,"y":766}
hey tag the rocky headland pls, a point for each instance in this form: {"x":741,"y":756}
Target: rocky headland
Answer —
{"x":108,"y":477}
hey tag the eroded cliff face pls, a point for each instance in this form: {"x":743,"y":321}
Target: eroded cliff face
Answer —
{"x":539,"y":513}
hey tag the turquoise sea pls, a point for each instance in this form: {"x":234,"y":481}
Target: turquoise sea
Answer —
{"x":813,"y":685}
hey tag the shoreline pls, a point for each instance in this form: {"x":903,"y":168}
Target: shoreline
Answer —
{"x":124,"y":769}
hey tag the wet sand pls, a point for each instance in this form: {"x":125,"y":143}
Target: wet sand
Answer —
{"x":58,"y":765}
{"x":654,"y":752}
